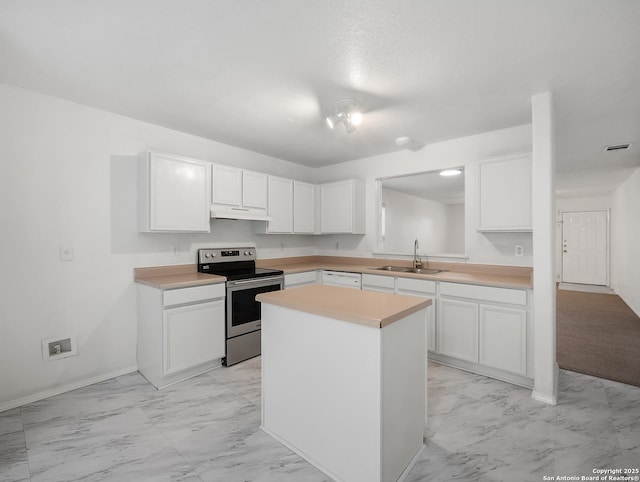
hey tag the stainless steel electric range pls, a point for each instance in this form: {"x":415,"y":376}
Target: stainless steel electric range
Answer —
{"x":244,"y":282}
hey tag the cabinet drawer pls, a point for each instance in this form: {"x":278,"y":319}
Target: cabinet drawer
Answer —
{"x":418,"y":285}
{"x":378,"y":281}
{"x":485,"y":293}
{"x":308,"y":277}
{"x":193,"y":294}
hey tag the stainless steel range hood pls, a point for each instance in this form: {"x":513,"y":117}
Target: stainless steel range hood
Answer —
{"x":239,"y":213}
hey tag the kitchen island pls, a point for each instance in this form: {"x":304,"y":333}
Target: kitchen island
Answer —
{"x":344,"y":379}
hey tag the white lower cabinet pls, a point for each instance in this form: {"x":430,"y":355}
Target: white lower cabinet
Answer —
{"x":410,"y":287}
{"x":503,"y":338}
{"x":485,"y":329}
{"x":426,"y":289}
{"x":305,"y":278}
{"x":181,"y":332}
{"x":193,"y":335}
{"x":373,"y":282}
{"x":457,"y":328}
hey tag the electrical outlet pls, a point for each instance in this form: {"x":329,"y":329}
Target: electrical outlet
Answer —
{"x":175,"y":248}
{"x":519,"y":251}
{"x":66,"y":253}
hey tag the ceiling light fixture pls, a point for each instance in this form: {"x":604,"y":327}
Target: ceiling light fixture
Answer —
{"x":451,"y":172}
{"x":345,"y":111}
{"x":405,"y":142}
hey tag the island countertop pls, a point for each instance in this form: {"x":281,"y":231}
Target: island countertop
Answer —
{"x":370,"y":308}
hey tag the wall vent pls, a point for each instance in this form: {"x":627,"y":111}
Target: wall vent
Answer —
{"x":57,"y":348}
{"x":617,"y":147}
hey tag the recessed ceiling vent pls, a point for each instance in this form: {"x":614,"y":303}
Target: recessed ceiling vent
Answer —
{"x":617,"y":147}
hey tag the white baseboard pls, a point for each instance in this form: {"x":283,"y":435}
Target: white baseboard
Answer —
{"x":18,"y":402}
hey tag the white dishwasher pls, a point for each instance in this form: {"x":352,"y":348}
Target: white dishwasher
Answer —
{"x":341,"y":278}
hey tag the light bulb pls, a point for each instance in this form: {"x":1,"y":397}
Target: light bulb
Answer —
{"x":451,"y":172}
{"x":355,"y":118}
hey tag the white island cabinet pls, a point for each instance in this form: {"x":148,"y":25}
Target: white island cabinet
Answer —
{"x":344,"y":379}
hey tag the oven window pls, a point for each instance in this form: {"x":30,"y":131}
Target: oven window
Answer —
{"x":245,"y":308}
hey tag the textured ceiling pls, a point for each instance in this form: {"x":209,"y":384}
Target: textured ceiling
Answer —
{"x":262,"y":75}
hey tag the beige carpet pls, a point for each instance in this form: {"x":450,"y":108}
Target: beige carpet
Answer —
{"x":598,"y":334}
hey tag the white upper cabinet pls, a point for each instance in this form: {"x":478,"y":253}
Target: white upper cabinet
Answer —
{"x":254,"y":190}
{"x":342,"y":207}
{"x":504,"y":194}
{"x":303,"y":207}
{"x":226,"y":185}
{"x":237,"y":193}
{"x":173,"y":194}
{"x":280,"y":205}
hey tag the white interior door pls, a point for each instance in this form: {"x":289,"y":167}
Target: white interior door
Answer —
{"x":585,"y":253}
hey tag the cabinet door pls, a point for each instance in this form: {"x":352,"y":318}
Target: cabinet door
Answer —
{"x":226,"y":185}
{"x":280,"y":205}
{"x":503,"y":338}
{"x":303,"y":207}
{"x":254,"y":190}
{"x":457,"y":329}
{"x":178,"y":194}
{"x":193,"y":334}
{"x":504,"y":195}
{"x":337,"y":207}
{"x":426,"y":290}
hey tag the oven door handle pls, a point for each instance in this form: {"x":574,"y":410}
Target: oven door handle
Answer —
{"x":279,"y":279}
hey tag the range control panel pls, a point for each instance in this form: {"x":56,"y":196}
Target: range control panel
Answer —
{"x":221,"y":255}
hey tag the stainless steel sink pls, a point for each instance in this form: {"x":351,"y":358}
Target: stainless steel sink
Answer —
{"x":404,"y":269}
{"x":425,"y":270}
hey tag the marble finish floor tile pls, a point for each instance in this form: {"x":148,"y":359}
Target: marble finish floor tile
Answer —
{"x":208,"y":429}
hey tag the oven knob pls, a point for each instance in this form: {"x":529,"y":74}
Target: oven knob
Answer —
{"x":213,"y":255}
{"x":247,"y":253}
{"x":206,"y":255}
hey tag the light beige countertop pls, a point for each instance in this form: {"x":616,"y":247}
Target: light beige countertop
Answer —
{"x":487,"y":275}
{"x":178,"y":276}
{"x":182,"y":276}
{"x":370,"y":308}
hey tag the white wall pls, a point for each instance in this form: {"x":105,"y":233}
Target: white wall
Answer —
{"x":411,"y":217}
{"x":438,"y":227}
{"x":69,"y":178}
{"x":490,"y":248}
{"x":455,"y":228}
{"x":625,"y":237}
{"x":575,"y":204}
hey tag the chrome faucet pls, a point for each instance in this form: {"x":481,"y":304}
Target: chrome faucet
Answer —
{"x":417,"y":261}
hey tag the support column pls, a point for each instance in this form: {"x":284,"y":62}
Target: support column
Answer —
{"x":545,"y":388}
